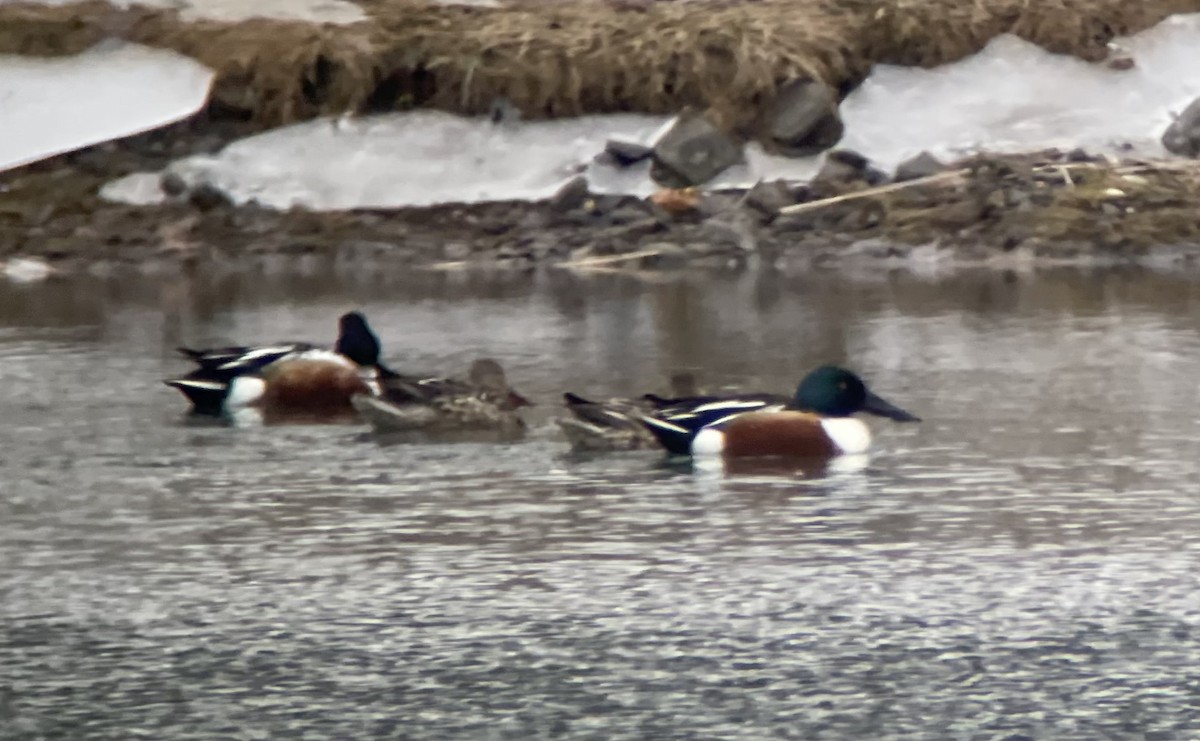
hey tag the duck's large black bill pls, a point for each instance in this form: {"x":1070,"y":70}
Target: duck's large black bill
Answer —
{"x":876,"y":405}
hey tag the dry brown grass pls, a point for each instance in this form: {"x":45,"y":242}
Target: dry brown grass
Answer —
{"x":564,"y":58}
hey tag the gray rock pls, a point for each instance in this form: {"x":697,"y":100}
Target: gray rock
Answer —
{"x":712,"y":204}
{"x":921,"y":166}
{"x":626,"y":214}
{"x":542,"y":219}
{"x":769,"y":197}
{"x":801,"y":222}
{"x":172,"y":184}
{"x":806,"y":118}
{"x":1183,"y":135}
{"x":503,"y":112}
{"x":1079,"y":154}
{"x":842,"y":168}
{"x":667,"y":177}
{"x":733,"y":231}
{"x":455,"y":251}
{"x":624,"y":153}
{"x":859,"y":164}
{"x":206,"y":196}
{"x":1121,"y":63}
{"x":623,"y":233}
{"x":571,"y":195}
{"x":693,"y":151}
{"x":670,"y":256}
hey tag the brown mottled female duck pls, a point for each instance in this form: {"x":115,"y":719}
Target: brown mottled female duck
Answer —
{"x":484,"y":401}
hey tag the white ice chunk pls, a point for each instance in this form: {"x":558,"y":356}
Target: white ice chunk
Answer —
{"x":418,"y":158}
{"x":27,"y":270}
{"x":137,"y":189}
{"x":1015,"y":96}
{"x":428,"y":157}
{"x":54,"y":105}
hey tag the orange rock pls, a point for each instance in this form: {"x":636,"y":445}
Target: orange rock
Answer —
{"x":676,"y":200}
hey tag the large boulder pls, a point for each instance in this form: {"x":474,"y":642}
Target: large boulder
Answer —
{"x":692,"y":152}
{"x":806,"y":119}
{"x":1183,"y":135}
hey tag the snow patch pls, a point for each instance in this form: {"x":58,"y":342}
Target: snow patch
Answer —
{"x":114,"y":89}
{"x":1014,"y":96}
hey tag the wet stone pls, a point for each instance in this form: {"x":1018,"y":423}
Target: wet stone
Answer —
{"x":624,"y":153}
{"x":769,"y":197}
{"x":537,"y":220}
{"x":1182,"y":137}
{"x":842,"y":169}
{"x":806,"y":118}
{"x":692,"y":152}
{"x":571,"y":195}
{"x":632,"y":230}
{"x":172,"y":184}
{"x":455,"y":251}
{"x":713,"y":204}
{"x":791,"y":223}
{"x":668,"y":255}
{"x":921,"y":166}
{"x":503,"y":112}
{"x":1079,"y":154}
{"x":733,"y":232}
{"x":207,"y":197}
{"x":626,"y":215}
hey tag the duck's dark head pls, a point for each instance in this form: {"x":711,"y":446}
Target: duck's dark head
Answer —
{"x":356,"y":340}
{"x":836,"y":392}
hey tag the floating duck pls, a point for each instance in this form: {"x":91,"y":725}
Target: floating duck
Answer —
{"x":484,"y":401}
{"x":817,"y":422}
{"x":288,"y":379}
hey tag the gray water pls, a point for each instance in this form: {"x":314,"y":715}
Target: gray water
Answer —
{"x":1023,"y":564}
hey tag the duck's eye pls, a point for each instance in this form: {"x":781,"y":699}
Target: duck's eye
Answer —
{"x":842,"y":385}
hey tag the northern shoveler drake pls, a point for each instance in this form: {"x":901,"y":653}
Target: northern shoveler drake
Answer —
{"x":484,"y":401}
{"x":294,"y":379}
{"x":817,"y":422}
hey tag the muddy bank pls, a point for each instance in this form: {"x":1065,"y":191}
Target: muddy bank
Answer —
{"x":562,"y":59}
{"x":1048,"y":206}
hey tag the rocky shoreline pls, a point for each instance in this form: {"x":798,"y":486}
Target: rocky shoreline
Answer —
{"x":1047,"y":207}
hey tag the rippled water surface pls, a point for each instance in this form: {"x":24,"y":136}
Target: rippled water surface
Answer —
{"x":1024,"y":564}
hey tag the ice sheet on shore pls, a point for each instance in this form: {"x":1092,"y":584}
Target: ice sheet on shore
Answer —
{"x":424,"y":158}
{"x":1012,"y":96}
{"x":115,"y":89}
